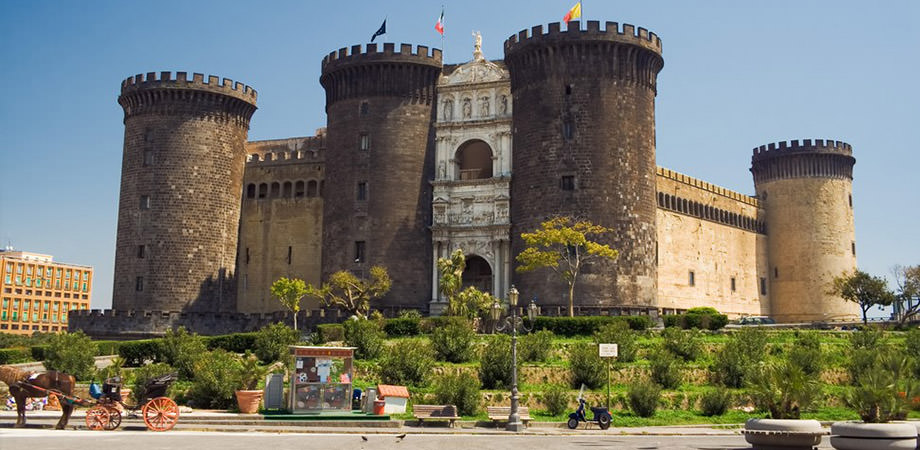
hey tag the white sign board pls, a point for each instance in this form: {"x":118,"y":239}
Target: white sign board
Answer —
{"x":607,"y":350}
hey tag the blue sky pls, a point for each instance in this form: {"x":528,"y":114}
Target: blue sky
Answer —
{"x":736,"y":75}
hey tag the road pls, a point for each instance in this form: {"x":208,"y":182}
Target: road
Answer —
{"x":31,"y":438}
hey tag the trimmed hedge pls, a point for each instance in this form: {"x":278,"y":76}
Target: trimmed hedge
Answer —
{"x":403,"y":326}
{"x":15,"y":355}
{"x":429,"y":324}
{"x":702,"y":318}
{"x":137,"y":353}
{"x":328,"y":332}
{"x":234,"y":343}
{"x":587,"y":325}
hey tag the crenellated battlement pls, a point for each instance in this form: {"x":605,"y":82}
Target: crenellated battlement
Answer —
{"x":795,"y":146}
{"x":612,"y":31}
{"x":358,"y":54}
{"x":166,"y":80}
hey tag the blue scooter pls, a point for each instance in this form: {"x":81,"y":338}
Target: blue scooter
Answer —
{"x":601,"y":416}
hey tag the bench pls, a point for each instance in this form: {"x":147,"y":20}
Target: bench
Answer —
{"x":435,"y":412}
{"x":501,"y":413}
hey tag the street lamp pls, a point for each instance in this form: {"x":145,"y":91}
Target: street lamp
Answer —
{"x":513,"y":322}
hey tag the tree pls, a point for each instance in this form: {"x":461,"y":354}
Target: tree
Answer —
{"x":469,"y":302}
{"x":863,"y":289}
{"x":562,"y":244}
{"x":908,"y":299}
{"x":289,"y":292}
{"x":345,"y":290}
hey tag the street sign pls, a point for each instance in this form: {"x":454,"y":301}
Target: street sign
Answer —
{"x":607,"y":350}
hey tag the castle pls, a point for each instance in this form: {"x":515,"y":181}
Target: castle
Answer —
{"x":420,"y":158}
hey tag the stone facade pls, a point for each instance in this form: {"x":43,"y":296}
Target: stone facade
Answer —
{"x":417,"y":160}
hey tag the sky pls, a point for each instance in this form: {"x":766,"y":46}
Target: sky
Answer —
{"x":737,"y":75}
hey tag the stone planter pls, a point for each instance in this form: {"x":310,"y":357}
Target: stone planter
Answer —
{"x":248,"y":401}
{"x":783,"y":434}
{"x":873,"y":436}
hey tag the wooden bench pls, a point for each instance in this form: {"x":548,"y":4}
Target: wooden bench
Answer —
{"x":435,"y":412}
{"x":501,"y":413}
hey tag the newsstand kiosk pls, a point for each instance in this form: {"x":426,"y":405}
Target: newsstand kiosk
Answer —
{"x":322,"y":379}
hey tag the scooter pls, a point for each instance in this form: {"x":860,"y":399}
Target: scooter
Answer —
{"x":601,"y":416}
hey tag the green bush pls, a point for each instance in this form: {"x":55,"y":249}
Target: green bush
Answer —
{"x":619,"y":333}
{"x":366,"y":336}
{"x":644,"y":397}
{"x":272,"y":342}
{"x":686,"y":344}
{"x":740,"y":355}
{"x":536,"y":346}
{"x":38,"y":352}
{"x":408,"y":362}
{"x":216,"y":379}
{"x":912,"y":343}
{"x":9,"y":340}
{"x":783,"y":389}
{"x":143,"y":374}
{"x":329,"y":332}
{"x":556,"y":399}
{"x":866,"y":338}
{"x":587,"y":366}
{"x":182,"y":350}
{"x":233,"y":343}
{"x":453,"y":342}
{"x":495,"y":363}
{"x":138,"y":353}
{"x":587,"y":325}
{"x":885,"y":389}
{"x":704,"y":318}
{"x":429,"y":324}
{"x":403,"y":326}
{"x":806,"y":353}
{"x":460,"y":389}
{"x":666,"y":369}
{"x":71,"y":353}
{"x":714,"y":402}
{"x":15,"y":355}
{"x":106,"y":348}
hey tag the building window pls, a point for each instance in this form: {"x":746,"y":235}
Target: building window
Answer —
{"x":145,"y":202}
{"x":853,"y":247}
{"x":568,"y":89}
{"x":247,"y":255}
{"x":139,"y":284}
{"x":568,"y":130}
{"x":733,"y":284}
{"x":851,"y":200}
{"x":567,"y":183}
{"x":775,"y":272}
{"x":364,"y":108}
{"x":148,"y":158}
{"x":251,"y":191}
{"x":763,"y":286}
{"x":362,"y":191}
{"x":290,"y":253}
{"x":141,"y":251}
{"x":692,"y":279}
{"x":298,"y":189}
{"x":359,"y":251}
{"x":364,"y":142}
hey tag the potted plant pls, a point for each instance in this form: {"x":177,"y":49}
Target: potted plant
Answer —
{"x":784,"y":390}
{"x":250,"y":373}
{"x":882,"y":393}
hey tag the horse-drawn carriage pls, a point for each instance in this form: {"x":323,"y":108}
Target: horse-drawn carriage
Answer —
{"x":160,"y":413}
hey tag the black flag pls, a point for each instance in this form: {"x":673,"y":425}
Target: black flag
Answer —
{"x":381,"y":30}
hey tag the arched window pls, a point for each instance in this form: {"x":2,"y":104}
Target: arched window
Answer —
{"x":251,"y":191}
{"x":287,"y":189}
{"x":298,"y":189}
{"x":276,"y":189}
{"x":311,"y":188}
{"x":268,"y":156}
{"x":475,"y":160}
{"x":263,"y":190}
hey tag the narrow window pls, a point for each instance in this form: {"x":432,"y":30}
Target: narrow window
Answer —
{"x":364,"y":108}
{"x":567,"y":183}
{"x":568,"y":130}
{"x":148,"y":158}
{"x":251,"y":191}
{"x":141,"y":251}
{"x":290,"y":252}
{"x":364,"y":142}
{"x":362,"y":191}
{"x":692,"y":279}
{"x":263,"y":190}
{"x":247,"y":255}
{"x":853,"y":248}
{"x":276,"y":190}
{"x":763,"y":286}
{"x":568,"y":89}
{"x":298,"y":189}
{"x":851,"y":200}
{"x":139,"y":284}
{"x":145,"y":202}
{"x":733,"y":284}
{"x":775,"y":272}
{"x":287,"y":189}
{"x":311,"y":188}
{"x":359,"y":251}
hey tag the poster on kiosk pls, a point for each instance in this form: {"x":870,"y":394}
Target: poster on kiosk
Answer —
{"x":322,"y":379}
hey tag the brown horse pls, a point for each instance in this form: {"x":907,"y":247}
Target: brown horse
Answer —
{"x":23,"y":385}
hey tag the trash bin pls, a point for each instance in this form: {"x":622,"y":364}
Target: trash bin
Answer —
{"x":378,"y":407}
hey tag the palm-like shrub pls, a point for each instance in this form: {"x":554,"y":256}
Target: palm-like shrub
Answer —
{"x":806,"y":353}
{"x":885,"y":389}
{"x":783,"y":389}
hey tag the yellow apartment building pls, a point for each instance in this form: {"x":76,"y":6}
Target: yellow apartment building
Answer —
{"x":38,"y":293}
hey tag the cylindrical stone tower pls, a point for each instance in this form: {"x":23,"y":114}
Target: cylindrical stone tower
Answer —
{"x":806,"y":190}
{"x":379,"y":139}
{"x":584,"y":146}
{"x":181,"y":186}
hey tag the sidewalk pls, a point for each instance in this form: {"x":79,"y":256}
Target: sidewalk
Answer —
{"x":206,"y":420}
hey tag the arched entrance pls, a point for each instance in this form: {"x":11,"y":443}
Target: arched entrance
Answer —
{"x":478,"y":274}
{"x":474,"y":160}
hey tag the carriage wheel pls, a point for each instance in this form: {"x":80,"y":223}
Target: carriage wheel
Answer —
{"x":160,"y":414}
{"x":114,"y":419}
{"x":97,"y":418}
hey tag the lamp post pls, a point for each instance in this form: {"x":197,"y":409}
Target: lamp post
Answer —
{"x":514,"y":419}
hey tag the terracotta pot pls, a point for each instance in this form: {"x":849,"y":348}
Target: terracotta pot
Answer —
{"x":249,"y":401}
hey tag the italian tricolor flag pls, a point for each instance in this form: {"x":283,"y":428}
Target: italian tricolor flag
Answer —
{"x":439,"y":27}
{"x":574,"y":13}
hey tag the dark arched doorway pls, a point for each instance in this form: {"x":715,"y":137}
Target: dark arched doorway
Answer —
{"x":474,"y":159}
{"x":478,"y":274}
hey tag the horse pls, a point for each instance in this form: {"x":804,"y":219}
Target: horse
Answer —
{"x":24,"y":384}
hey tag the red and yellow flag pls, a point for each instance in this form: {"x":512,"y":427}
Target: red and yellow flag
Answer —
{"x":574,"y":13}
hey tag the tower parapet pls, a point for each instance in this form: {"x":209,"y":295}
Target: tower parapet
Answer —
{"x":805,"y":187}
